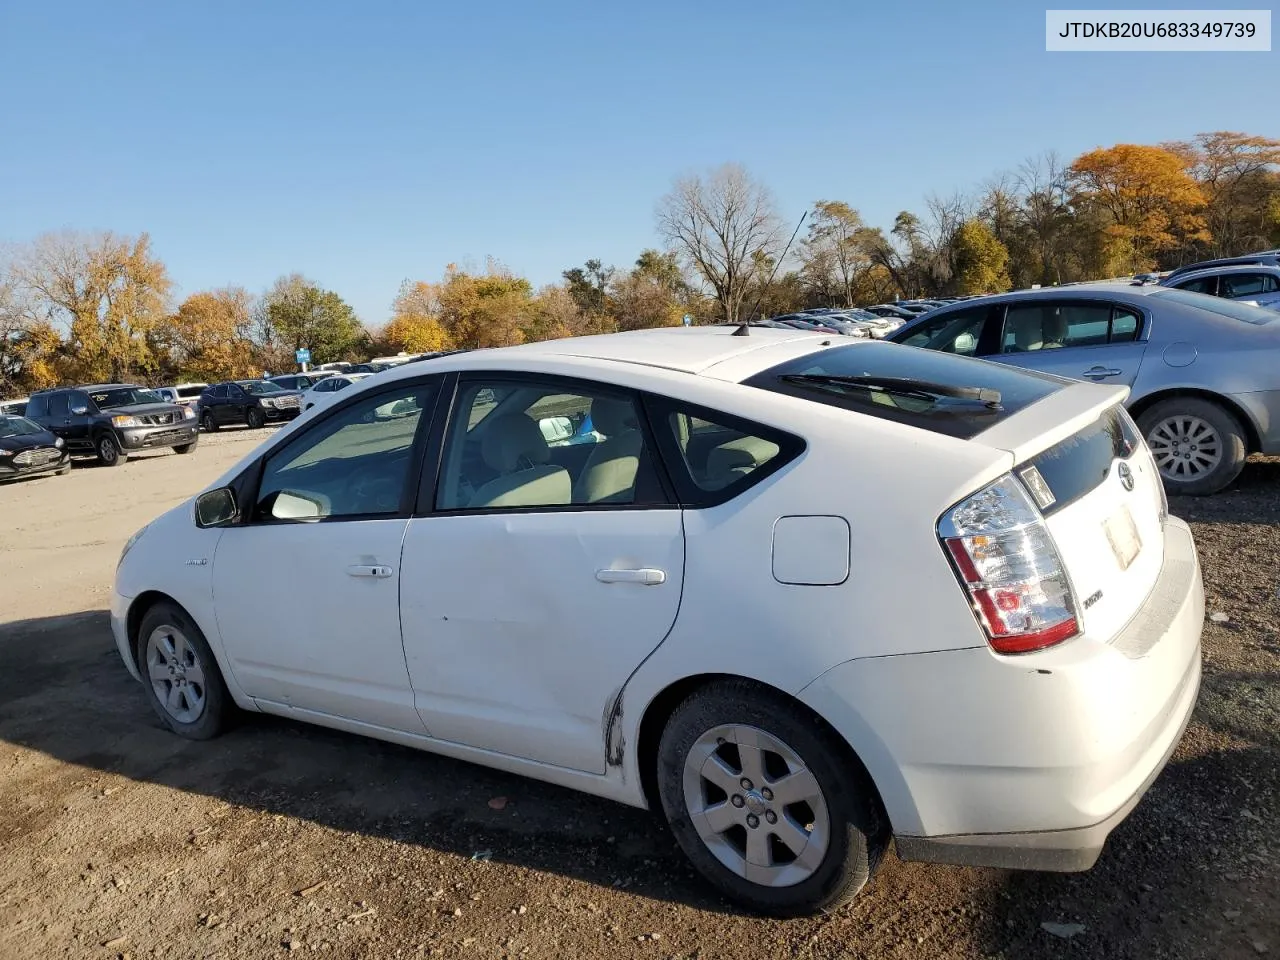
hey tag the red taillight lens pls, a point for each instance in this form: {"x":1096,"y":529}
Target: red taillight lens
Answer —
{"x":1008,"y":563}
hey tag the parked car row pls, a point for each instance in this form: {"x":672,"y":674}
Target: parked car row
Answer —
{"x":1203,"y":372}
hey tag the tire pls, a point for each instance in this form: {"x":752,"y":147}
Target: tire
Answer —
{"x":1199,"y":447}
{"x":207,"y":423}
{"x":255,"y":419}
{"x":165,"y":665}
{"x":826,"y":872}
{"x":109,"y":451}
{"x":185,"y":447}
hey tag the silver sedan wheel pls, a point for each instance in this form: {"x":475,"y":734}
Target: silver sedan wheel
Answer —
{"x":756,"y":806}
{"x":176,"y":674}
{"x":1185,"y":447}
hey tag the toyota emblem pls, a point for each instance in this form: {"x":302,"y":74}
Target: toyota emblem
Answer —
{"x":1126,"y":476}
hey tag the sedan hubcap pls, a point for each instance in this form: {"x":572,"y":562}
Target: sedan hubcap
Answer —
{"x":756,"y":806}
{"x":176,"y":674}
{"x":1185,"y":447}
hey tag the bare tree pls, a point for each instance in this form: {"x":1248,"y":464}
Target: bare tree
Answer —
{"x":722,"y":224}
{"x":1046,"y":212}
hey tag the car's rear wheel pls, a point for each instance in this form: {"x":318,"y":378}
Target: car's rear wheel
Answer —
{"x":207,"y":423}
{"x":107,"y":447}
{"x":254,"y":418}
{"x":766,"y":801}
{"x":183,"y":683}
{"x":1199,"y":447}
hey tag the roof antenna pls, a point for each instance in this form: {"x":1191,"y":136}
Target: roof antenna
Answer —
{"x":744,"y":328}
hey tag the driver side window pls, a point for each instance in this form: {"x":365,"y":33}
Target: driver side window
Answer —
{"x":353,"y":464}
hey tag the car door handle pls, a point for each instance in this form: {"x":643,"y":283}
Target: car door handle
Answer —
{"x":1097,"y":373}
{"x":375,"y":570}
{"x":648,"y":576}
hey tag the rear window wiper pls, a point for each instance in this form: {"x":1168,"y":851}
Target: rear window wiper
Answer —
{"x":902,"y":386}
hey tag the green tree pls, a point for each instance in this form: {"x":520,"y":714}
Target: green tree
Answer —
{"x":297,"y":313}
{"x":589,"y":287}
{"x":981,"y":260}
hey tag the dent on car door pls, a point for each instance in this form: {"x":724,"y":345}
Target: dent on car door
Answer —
{"x":531,"y":591}
{"x":1096,"y":341}
{"x":307,"y":587}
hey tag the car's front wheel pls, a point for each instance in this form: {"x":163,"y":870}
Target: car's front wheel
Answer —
{"x":184,"y":448}
{"x":207,"y":423}
{"x":1199,"y":447}
{"x":254,"y":418}
{"x":767,"y":802}
{"x":182,"y":679}
{"x":109,"y":451}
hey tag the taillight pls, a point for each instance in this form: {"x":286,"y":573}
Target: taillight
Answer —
{"x":1008,"y":563}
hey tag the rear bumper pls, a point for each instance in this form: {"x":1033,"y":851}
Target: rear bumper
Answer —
{"x":165,"y":435}
{"x":1031,"y":761}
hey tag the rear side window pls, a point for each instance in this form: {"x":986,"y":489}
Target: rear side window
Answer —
{"x":38,"y":407}
{"x":1049,"y":325}
{"x":921,"y":388}
{"x":59,"y":405}
{"x":713,"y":456}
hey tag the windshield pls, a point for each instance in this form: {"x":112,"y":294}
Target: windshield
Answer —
{"x":259,"y":387}
{"x":18,"y":427}
{"x":910,"y":386}
{"x":124,"y":397}
{"x":1226,"y":308}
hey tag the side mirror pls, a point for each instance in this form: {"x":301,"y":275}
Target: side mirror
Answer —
{"x":216,"y":508}
{"x":80,"y":411}
{"x":556,"y":429}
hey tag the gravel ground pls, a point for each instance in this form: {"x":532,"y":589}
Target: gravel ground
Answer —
{"x":118,"y":839}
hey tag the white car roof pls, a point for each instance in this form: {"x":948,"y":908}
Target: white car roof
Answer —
{"x":693,"y":350}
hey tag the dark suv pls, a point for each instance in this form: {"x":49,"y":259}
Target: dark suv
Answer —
{"x":112,"y":420}
{"x":251,"y":402}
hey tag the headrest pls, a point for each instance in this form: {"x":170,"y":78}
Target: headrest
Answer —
{"x":613,"y":417}
{"x":510,"y":438}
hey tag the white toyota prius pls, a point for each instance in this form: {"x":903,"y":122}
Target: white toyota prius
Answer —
{"x":803,"y":595}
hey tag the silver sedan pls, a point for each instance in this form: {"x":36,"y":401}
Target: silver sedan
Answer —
{"x":1204,"y":371}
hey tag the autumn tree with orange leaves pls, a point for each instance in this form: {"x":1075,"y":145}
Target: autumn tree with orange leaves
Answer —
{"x":1148,"y":200}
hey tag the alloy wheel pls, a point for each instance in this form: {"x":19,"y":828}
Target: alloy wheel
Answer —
{"x":1185,"y":447}
{"x":758,"y":808}
{"x":175,"y":673}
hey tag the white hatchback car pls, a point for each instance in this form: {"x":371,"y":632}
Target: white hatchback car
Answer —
{"x":801,"y":594}
{"x":324,"y":392}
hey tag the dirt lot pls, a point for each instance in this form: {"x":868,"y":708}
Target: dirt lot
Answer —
{"x":118,"y":839}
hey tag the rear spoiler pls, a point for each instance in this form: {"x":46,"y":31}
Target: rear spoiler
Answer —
{"x":1051,"y":420}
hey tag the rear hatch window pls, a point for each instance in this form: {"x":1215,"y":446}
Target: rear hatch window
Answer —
{"x":947,"y":394}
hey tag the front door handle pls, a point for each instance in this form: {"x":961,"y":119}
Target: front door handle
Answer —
{"x":1097,"y":373}
{"x":647,"y":576}
{"x":375,"y":570}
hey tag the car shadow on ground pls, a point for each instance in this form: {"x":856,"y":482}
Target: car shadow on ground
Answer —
{"x":1169,"y":879}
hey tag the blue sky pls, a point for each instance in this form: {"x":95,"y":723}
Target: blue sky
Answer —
{"x":362,"y":143}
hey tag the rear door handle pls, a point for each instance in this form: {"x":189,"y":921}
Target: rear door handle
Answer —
{"x":377,"y":571}
{"x":647,"y":576}
{"x":1097,"y":373}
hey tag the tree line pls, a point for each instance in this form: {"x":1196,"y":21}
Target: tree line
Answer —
{"x":96,"y":307}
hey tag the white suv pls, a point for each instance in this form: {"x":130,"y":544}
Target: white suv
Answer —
{"x":802,"y":595}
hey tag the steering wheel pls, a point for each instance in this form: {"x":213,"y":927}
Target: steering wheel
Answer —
{"x":373,"y":489}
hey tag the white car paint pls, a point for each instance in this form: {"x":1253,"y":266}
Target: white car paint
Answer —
{"x":493,"y":639}
{"x":324,"y":392}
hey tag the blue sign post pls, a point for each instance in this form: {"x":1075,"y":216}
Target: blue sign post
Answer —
{"x":303,"y":356}
{"x":688,"y":319}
